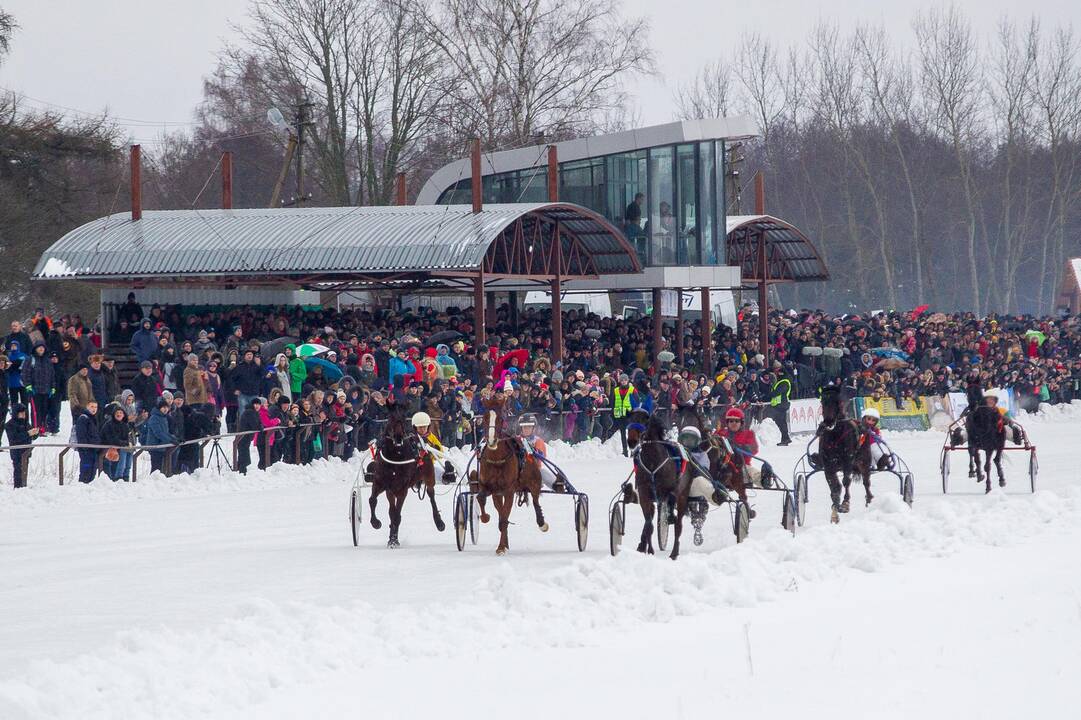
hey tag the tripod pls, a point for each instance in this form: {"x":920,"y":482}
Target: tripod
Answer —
{"x":217,"y":456}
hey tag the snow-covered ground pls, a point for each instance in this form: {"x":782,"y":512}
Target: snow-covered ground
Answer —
{"x":243,"y":597}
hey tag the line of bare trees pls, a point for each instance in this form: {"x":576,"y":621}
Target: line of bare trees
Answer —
{"x":945,"y":172}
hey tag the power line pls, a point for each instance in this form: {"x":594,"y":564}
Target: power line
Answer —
{"x":102,"y":114}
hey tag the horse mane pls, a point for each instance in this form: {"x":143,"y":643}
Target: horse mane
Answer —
{"x":655,"y":428}
{"x":491,"y":403}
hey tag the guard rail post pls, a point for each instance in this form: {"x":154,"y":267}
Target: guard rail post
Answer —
{"x":60,"y":463}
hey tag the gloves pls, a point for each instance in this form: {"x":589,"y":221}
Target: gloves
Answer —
{"x":29,"y":389}
{"x":52,"y":392}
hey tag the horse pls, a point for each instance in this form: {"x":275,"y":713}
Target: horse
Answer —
{"x":503,"y":475}
{"x":986,"y":431}
{"x":401,"y":464}
{"x":841,"y":451}
{"x":658,"y":475}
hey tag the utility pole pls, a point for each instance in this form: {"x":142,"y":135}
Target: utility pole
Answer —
{"x":302,"y":120}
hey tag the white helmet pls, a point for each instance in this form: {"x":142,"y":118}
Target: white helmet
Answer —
{"x":421,"y":419}
{"x":993,"y":393}
{"x":871,"y":412}
{"x":690,"y":436}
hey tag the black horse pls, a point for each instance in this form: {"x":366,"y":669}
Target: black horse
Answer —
{"x":839,"y":449}
{"x":986,"y":431}
{"x":400,"y":464}
{"x":659,"y":483}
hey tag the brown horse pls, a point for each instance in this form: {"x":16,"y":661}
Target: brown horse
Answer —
{"x":502,"y":475}
{"x":400,"y":465}
{"x":660,"y":485}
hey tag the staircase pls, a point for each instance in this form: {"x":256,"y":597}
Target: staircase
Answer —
{"x":127,"y":367}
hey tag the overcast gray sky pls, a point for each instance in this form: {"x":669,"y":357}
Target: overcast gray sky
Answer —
{"x":145,"y":59}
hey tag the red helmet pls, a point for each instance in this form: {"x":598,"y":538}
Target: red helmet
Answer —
{"x":734,"y":413}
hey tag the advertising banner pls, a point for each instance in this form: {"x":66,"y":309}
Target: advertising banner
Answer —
{"x":909,"y":416}
{"x":804,"y":416}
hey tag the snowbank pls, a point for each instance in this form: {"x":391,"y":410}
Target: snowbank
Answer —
{"x":268,"y":646}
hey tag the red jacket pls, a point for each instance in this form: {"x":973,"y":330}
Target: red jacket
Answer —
{"x":743,"y":440}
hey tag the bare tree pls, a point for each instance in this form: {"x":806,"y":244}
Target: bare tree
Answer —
{"x":527,"y":66}
{"x":952,"y":84}
{"x":760,"y":77}
{"x":7,"y":29}
{"x":709,"y":94}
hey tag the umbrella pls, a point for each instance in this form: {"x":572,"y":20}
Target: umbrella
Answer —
{"x":445,"y":336}
{"x":270,"y":350}
{"x":888,"y":352}
{"x":522,"y":355}
{"x":856,"y":322}
{"x":311,"y":350}
{"x":331,"y":372}
{"x":1038,"y":336}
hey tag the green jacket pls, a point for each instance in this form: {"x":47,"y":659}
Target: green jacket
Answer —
{"x":298,"y":373}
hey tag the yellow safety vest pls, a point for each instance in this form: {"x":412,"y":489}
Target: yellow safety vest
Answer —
{"x":622,"y":405}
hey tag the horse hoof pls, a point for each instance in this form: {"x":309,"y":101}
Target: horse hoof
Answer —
{"x":972,"y":473}
{"x":870,"y":498}
{"x":751,"y":513}
{"x":845,"y":507}
{"x":501,"y":551}
{"x":1002,"y":483}
{"x":485,"y":517}
{"x":376,"y":524}
{"x":440,"y":525}
{"x":834,"y":517}
{"x":393,"y":544}
{"x":544,"y":527}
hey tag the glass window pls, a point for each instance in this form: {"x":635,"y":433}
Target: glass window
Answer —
{"x":708,"y":194}
{"x":533,"y":185}
{"x":582,"y":182}
{"x":662,"y":220}
{"x":687,"y":230}
{"x":626,"y":191}
{"x":722,"y":206}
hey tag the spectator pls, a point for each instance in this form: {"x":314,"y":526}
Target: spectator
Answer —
{"x":159,"y":432}
{"x":144,"y":343}
{"x":87,"y":433}
{"x":116,"y":432}
{"x":20,"y":433}
{"x":250,"y":424}
{"x":80,"y":392}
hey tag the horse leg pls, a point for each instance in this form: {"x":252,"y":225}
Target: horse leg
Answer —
{"x":835,"y":494}
{"x":376,"y":489}
{"x":846,"y":476}
{"x":998,"y":466}
{"x":648,"y":508}
{"x":481,"y":498}
{"x":987,"y":469}
{"x":866,"y":472}
{"x":430,"y":485}
{"x":395,"y":501}
{"x":681,"y":511}
{"x":534,"y":491}
{"x":503,"y":504}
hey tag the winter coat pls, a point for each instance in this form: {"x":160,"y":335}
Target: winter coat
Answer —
{"x":18,"y":430}
{"x":143,"y":343}
{"x":147,"y":390}
{"x":39,"y":373}
{"x":16,"y":357}
{"x":86,"y":429}
{"x":158,"y":431}
{"x":247,"y":378}
{"x":400,"y":367}
{"x":268,"y":422}
{"x":298,"y":372}
{"x":80,"y":391}
{"x":249,"y":422}
{"x":99,"y":387}
{"x":116,"y":433}
{"x":448,"y":367}
{"x":195,"y":391}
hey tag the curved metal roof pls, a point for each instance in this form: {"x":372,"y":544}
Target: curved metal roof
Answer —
{"x":791,"y":256}
{"x":314,"y":242}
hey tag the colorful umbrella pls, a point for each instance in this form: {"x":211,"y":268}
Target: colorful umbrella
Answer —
{"x":1038,"y":336}
{"x":331,"y":372}
{"x":311,"y":350}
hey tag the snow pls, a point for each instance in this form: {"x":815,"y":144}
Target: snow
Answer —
{"x":56,"y":267}
{"x":236,"y":597}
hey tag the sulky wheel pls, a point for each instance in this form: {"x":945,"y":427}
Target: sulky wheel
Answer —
{"x":581,"y":521}
{"x":354,"y":515}
{"x":800,"y":490}
{"x":1033,"y":469}
{"x":461,"y":514}
{"x":788,"y":512}
{"x":474,"y":519}
{"x":741,"y":521}
{"x":944,"y":464}
{"x":662,"y":525}
{"x":908,"y":491}
{"x":615,"y":529}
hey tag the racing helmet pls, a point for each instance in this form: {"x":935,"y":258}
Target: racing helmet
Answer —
{"x":993,"y":393}
{"x":871,"y":413}
{"x":734,"y":413}
{"x":527,"y":421}
{"x":690,"y":437}
{"x":421,"y":419}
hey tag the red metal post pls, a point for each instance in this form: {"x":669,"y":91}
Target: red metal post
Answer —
{"x":478,"y":204}
{"x":553,"y":174}
{"x":763,"y":270}
{"x":707,"y":334}
{"x":136,"y":183}
{"x":478,"y":317}
{"x":401,"y":189}
{"x":656,"y":330}
{"x":680,"y":350}
{"x":227,"y":180}
{"x":557,"y":288}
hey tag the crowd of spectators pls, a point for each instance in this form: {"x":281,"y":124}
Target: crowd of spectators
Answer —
{"x":205,"y":371}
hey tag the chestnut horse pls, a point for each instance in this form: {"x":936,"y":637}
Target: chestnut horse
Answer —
{"x":400,"y":465}
{"x":502,"y":475}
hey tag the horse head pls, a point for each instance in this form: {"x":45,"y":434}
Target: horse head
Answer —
{"x":833,"y":408}
{"x":637,"y":420}
{"x":397,"y":434}
{"x":493,"y":420}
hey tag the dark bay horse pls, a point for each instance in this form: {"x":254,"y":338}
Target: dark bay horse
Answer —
{"x":658,"y":475}
{"x":986,"y":431}
{"x":400,"y":465}
{"x":502,"y":475}
{"x":841,"y":452}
